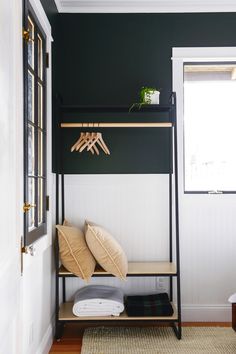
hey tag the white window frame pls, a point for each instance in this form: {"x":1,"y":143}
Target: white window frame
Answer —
{"x":180,"y":56}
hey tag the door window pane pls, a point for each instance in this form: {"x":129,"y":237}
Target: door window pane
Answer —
{"x":30,"y":97}
{"x":40,"y":58}
{"x":31,"y":196}
{"x":31,"y":43}
{"x":40,"y":105}
{"x":31,"y":150}
{"x":40,"y":154}
{"x":40,"y":200}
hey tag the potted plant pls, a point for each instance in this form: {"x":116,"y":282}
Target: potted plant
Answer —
{"x":148,"y":95}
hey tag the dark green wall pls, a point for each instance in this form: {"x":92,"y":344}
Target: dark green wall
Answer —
{"x":104,"y":59}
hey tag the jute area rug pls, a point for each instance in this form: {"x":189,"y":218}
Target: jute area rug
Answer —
{"x":123,"y":340}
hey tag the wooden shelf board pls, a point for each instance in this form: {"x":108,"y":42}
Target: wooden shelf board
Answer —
{"x":135,"y":268}
{"x":65,"y":314}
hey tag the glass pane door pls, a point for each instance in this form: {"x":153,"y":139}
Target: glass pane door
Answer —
{"x":35,"y":131}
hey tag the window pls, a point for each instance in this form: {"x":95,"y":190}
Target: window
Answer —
{"x":34,"y":130}
{"x":209,"y":126}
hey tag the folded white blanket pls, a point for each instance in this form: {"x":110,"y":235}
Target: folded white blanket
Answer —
{"x":98,"y":300}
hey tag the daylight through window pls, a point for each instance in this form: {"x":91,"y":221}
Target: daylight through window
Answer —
{"x":209,"y":127}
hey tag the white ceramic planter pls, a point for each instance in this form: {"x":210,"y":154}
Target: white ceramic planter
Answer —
{"x":152,"y":97}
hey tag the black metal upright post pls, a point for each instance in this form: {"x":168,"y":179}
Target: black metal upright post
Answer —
{"x":62,"y":196}
{"x":59,"y":324}
{"x":62,"y":203}
{"x":170,"y":205}
{"x":170,"y":199}
{"x":57,"y":335}
{"x":63,"y":218}
{"x":179,"y":334}
{"x":170,"y":232}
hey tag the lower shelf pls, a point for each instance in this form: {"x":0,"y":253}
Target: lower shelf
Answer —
{"x":65,"y":314}
{"x":134,"y":269}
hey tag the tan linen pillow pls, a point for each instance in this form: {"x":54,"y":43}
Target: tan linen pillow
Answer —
{"x":106,"y":250}
{"x":66,"y":223}
{"x":74,"y":253}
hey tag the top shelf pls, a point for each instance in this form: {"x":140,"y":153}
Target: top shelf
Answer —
{"x":125,"y":109}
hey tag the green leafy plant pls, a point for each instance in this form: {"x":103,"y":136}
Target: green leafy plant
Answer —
{"x":145,"y":93}
{"x":145,"y":98}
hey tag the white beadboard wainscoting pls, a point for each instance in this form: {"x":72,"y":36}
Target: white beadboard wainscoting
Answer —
{"x":134,"y":208}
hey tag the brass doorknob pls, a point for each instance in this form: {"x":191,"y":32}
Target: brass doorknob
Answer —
{"x":28,"y":206}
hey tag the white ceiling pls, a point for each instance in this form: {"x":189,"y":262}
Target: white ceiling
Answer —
{"x":145,"y":6}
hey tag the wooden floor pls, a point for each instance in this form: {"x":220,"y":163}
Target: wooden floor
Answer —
{"x":71,"y":341}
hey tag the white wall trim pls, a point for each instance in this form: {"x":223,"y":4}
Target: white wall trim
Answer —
{"x":204,"y":53}
{"x":47,"y":340}
{"x":144,"y":6}
{"x":206,"y":313}
{"x":58,"y":5}
{"x":40,"y":13}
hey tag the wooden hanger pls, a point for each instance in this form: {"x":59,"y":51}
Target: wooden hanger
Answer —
{"x":77,"y":142}
{"x":82,"y":139}
{"x":95,"y":148}
{"x":98,"y":139}
{"x":103,"y":145}
{"x":89,"y":141}
{"x":93,"y":141}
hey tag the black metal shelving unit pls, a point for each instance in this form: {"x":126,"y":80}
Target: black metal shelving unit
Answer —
{"x":169,"y":269}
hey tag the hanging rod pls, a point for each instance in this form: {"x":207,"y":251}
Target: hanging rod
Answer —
{"x":117,"y":125}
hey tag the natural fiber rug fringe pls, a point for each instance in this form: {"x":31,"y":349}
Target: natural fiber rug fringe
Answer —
{"x":158,"y":340}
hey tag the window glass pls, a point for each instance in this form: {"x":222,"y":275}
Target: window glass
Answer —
{"x":40,"y":57}
{"x":31,"y":212}
{"x":31,"y":43}
{"x":40,"y":154}
{"x":31,"y":151}
{"x":40,"y":105}
{"x":40,"y":201}
{"x":209,"y":127}
{"x":30,"y":97}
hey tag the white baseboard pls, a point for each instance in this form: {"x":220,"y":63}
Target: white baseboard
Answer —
{"x":206,"y":313}
{"x":47,"y":340}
